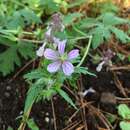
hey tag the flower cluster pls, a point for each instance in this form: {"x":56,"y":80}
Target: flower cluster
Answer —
{"x":55,"y":25}
{"x":61,"y":60}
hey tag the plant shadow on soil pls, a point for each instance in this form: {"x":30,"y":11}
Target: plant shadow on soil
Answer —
{"x":12,"y":97}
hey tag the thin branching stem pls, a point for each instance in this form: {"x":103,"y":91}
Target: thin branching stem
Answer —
{"x":86,"y":52}
{"x":87,"y":47}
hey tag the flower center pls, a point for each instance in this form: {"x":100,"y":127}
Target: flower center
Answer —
{"x":63,"y":57}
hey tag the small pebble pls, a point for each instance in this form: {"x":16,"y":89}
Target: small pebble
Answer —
{"x":111,"y":82}
{"x":8,"y":88}
{"x":7,"y":95}
{"x":47,"y":119}
{"x":108,"y":98}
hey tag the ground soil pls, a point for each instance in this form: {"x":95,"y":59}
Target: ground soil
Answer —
{"x":12,"y":97}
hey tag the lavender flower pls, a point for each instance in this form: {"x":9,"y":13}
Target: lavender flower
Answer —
{"x":55,"y":25}
{"x":61,"y":60}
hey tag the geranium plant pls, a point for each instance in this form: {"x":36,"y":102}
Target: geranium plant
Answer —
{"x":58,"y":64}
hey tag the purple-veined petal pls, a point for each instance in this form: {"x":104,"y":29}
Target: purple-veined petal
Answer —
{"x":73,"y":54}
{"x":61,"y":46}
{"x":68,"y":68}
{"x":54,"y":67}
{"x":51,"y":54}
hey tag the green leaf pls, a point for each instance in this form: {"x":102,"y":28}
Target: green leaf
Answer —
{"x":97,"y":40}
{"x":6,"y":42}
{"x":26,"y":50}
{"x":121,"y":56}
{"x":8,"y":59}
{"x":124,"y":111}
{"x":106,"y":33}
{"x":120,"y":34}
{"x":66,"y":97}
{"x":98,"y":34}
{"x":49,"y":6}
{"x":32,"y":94}
{"x":13,"y":53}
{"x":83,"y":70}
{"x":30,"y":16}
{"x":32,"y":125}
{"x":35,"y":74}
{"x":125,"y":125}
{"x":111,"y":19}
{"x":15,"y":21}
{"x":88,"y":23}
{"x":111,"y":118}
{"x":33,"y":4}
{"x":46,"y":94}
{"x":102,"y":27}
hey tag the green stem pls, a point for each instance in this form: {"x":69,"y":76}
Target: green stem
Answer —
{"x":87,"y":47}
{"x":27,"y":40}
{"x":79,"y":31}
{"x":79,"y":38}
{"x":86,"y":52}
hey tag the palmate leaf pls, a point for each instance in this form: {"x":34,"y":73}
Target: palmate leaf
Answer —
{"x":15,"y":21}
{"x":8,"y":60}
{"x":26,"y":49}
{"x":102,"y":28}
{"x":29,"y":16}
{"x":11,"y":56}
{"x":97,"y":40}
{"x":112,"y":19}
{"x":121,"y":35}
{"x":97,"y":36}
{"x":21,"y":18}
